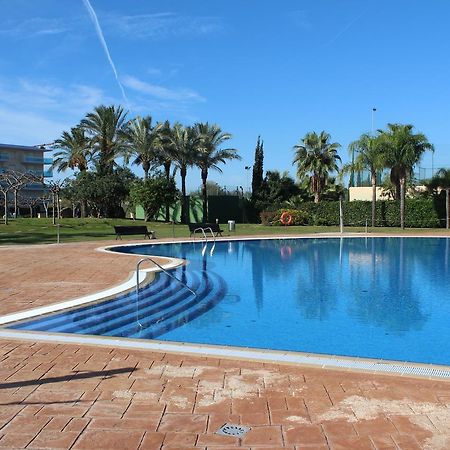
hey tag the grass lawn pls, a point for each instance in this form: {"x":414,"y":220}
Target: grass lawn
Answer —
{"x":41,"y":231}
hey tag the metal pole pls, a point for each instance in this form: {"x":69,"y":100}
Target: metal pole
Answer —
{"x":57,"y":233}
{"x":446,"y":209}
{"x":341,"y":215}
{"x":366,"y":226}
{"x":373,"y":120}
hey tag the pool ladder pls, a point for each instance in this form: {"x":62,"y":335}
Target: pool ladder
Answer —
{"x":163,"y":270}
{"x":206,"y":239}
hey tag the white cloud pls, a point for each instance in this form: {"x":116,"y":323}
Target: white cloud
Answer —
{"x":37,"y":26}
{"x":162,"y":25}
{"x":161,"y":92}
{"x":28,"y":128}
{"x":33,"y":111}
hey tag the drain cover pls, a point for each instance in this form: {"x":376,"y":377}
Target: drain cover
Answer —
{"x":229,"y":429}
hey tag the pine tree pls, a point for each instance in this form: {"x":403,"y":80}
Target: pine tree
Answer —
{"x":257,"y":179}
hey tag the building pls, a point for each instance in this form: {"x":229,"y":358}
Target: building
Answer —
{"x":27,"y":159}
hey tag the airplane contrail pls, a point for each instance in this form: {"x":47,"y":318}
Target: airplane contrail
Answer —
{"x":101,"y":38}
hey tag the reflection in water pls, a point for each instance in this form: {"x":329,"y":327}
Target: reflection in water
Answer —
{"x":376,"y":297}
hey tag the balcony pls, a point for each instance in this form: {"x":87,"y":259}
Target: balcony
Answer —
{"x":4,"y":157}
{"x":48,"y":161}
{"x":33,"y":159}
{"x":48,"y":173}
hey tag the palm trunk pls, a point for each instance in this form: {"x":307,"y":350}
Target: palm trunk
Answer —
{"x":205,"y":195}
{"x":146,"y":167}
{"x":184,"y":205}
{"x":447,"y":208}
{"x":167,"y":170}
{"x":374,"y":195}
{"x":402,"y":202}
{"x":315,"y":188}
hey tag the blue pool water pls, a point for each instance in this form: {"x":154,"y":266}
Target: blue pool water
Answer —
{"x":369,"y":297}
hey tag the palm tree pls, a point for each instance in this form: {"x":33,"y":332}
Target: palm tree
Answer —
{"x":209,"y":155}
{"x":105,"y":125}
{"x":166,"y":156}
{"x":144,"y":142}
{"x":403,"y":150}
{"x":316,"y":157}
{"x":74,"y":151}
{"x":370,"y":157}
{"x":184,"y":142}
{"x":442,"y":180}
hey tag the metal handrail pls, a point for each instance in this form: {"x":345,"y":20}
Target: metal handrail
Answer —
{"x":163,"y":270}
{"x":203,"y":231}
{"x":204,"y":234}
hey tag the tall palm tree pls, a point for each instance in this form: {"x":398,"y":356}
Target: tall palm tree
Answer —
{"x":105,"y":125}
{"x":442,"y":180}
{"x":74,"y":150}
{"x":403,"y":150}
{"x":166,"y":156}
{"x":144,"y":141}
{"x":184,"y":141}
{"x":209,"y":155}
{"x":316,"y":157}
{"x":370,"y":157}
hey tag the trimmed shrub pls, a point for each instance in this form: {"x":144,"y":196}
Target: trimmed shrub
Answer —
{"x":298,"y":217}
{"x":267,"y":217}
{"x":419,"y":213}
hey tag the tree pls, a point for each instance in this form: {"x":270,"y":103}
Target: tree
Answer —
{"x":403,"y":150}
{"x":257,"y":176}
{"x":105,"y":125}
{"x":370,"y":156}
{"x":152,"y":193}
{"x":145,"y":142}
{"x":316,"y":157}
{"x":74,"y":151}
{"x":104,"y":194}
{"x":442,"y":180}
{"x":276,"y":189}
{"x":184,"y":142}
{"x":13,"y":181}
{"x":209,"y":155}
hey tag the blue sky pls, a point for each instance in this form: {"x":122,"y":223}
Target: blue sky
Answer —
{"x":255,"y":67}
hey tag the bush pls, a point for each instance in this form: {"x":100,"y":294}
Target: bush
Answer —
{"x":267,"y":217}
{"x":419,"y":213}
{"x":298,"y":217}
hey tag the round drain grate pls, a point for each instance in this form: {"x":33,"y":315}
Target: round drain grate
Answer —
{"x":229,"y":429}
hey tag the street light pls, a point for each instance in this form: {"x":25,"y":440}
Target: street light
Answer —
{"x":373,"y":119}
{"x":247,"y":168}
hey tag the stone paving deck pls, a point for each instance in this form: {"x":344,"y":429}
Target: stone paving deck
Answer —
{"x":61,"y":396}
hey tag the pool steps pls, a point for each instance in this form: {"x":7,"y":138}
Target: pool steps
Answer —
{"x":163,"y":305}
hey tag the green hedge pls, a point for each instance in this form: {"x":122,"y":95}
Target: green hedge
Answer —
{"x":419,"y":213}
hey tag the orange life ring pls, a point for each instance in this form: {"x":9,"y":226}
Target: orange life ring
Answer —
{"x":286,"y":218}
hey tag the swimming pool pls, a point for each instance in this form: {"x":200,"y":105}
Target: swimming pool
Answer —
{"x":382,"y":298}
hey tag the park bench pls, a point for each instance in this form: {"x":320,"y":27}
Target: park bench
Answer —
{"x":200,"y":227}
{"x":124,"y":230}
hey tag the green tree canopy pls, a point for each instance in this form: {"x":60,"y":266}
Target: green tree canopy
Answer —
{"x":316,"y":158}
{"x":153,"y":193}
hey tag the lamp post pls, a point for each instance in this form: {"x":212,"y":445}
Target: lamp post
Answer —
{"x":373,"y":120}
{"x":247,"y":168}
